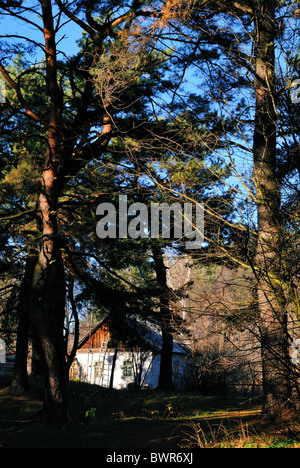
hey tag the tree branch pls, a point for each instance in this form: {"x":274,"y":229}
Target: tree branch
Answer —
{"x":74,"y":18}
{"x":21,"y":99}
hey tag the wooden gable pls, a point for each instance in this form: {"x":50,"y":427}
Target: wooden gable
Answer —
{"x":103,"y":332}
{"x":97,"y":335}
{"x":124,"y":338}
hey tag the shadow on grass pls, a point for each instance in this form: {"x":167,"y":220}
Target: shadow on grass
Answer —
{"x":103,"y":418}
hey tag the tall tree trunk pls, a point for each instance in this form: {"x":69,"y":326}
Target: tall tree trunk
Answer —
{"x":166,"y":358}
{"x":47,"y":308}
{"x":272,"y":304}
{"x":20,"y":380}
{"x":71,"y":356}
{"x":47,"y":314}
{"x":113,"y":367}
{"x":37,"y":360}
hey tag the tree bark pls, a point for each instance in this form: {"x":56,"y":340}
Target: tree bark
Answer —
{"x":111,"y":381}
{"x":272,"y":304}
{"x":37,"y":360}
{"x":47,"y":301}
{"x":47,"y":308}
{"x":47,"y":313}
{"x":166,"y":357}
{"x":20,"y":380}
{"x":71,"y":356}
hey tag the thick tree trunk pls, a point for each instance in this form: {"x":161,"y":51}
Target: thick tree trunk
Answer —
{"x":71,"y":356}
{"x":20,"y":380}
{"x":272,"y":306}
{"x":47,"y":313}
{"x":37,"y":360}
{"x":166,"y":358}
{"x":47,"y":308}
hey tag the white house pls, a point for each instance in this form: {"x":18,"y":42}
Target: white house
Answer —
{"x":126,"y":355}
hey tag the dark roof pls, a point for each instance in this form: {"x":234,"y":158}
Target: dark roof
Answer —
{"x":150,"y":332}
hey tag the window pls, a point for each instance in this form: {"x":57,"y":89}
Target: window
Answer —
{"x":127,"y":369}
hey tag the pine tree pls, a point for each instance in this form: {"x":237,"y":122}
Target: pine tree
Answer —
{"x":66,"y":126}
{"x":244,"y":36}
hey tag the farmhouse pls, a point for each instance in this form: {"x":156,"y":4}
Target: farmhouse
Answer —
{"x":123,"y":355}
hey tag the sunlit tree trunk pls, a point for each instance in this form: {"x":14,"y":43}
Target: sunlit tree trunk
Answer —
{"x":272,"y":304}
{"x":47,"y":311}
{"x":47,"y":308}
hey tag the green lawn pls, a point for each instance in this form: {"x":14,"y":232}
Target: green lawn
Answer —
{"x":100,"y":418}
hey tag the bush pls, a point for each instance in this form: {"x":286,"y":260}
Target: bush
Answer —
{"x":218,"y":372}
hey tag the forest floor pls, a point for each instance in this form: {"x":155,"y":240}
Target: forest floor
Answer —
{"x":101,"y":418}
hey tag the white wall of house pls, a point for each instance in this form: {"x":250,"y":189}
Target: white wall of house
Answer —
{"x":88,"y":361}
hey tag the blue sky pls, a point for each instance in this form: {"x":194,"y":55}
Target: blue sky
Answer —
{"x":70,"y":33}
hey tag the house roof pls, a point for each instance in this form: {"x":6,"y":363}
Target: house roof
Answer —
{"x":151,"y":334}
{"x":148,"y":331}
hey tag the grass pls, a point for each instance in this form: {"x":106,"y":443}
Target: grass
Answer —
{"x":100,"y":418}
